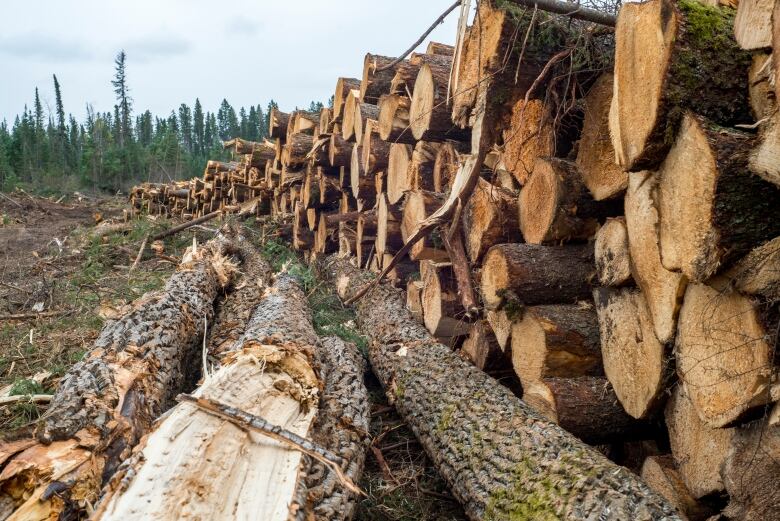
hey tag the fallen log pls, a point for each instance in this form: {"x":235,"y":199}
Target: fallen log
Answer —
{"x":656,"y":43}
{"x":378,"y":73}
{"x":429,"y":114}
{"x":497,"y":455}
{"x":108,"y":401}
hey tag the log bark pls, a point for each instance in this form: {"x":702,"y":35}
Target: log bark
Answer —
{"x":108,"y":401}
{"x":724,"y":355}
{"x":375,"y":82}
{"x":559,"y":340}
{"x":635,"y":362}
{"x":556,"y":206}
{"x":397,"y":168}
{"x":613,"y":260}
{"x":585,"y":406}
{"x":339,"y":151}
{"x":418,"y":206}
{"x":489,"y":217}
{"x":394,"y":119}
{"x":751,"y":472}
{"x":595,"y":154}
{"x":662,"y":288}
{"x":429,"y":114}
{"x":666,"y":63}
{"x":528,"y":137}
{"x":661,"y":475}
{"x":295,"y":150}
{"x":487,"y":444}
{"x":733,"y":210}
{"x":699,"y":451}
{"x":343,"y":87}
{"x":517,"y":274}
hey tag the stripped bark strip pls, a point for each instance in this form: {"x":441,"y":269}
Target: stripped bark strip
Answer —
{"x":501,"y":459}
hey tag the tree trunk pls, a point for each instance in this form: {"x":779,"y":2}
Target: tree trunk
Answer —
{"x":517,"y":274}
{"x":661,"y":475}
{"x":662,"y":288}
{"x":585,"y":406}
{"x":595,"y":154}
{"x":724,"y":354}
{"x":107,"y":402}
{"x":559,"y":340}
{"x":278,"y":122}
{"x":295,"y":150}
{"x":489,"y":217}
{"x":376,"y":151}
{"x":635,"y":362}
{"x":429,"y":114}
{"x":751,"y":473}
{"x":419,"y":205}
{"x":397,"y":168}
{"x":699,"y":451}
{"x":343,"y":87}
{"x":613,"y":260}
{"x":364,"y":113}
{"x":753,"y":24}
{"x":556,"y":206}
{"x":528,"y":136}
{"x":376,"y":82}
{"x":665,"y":63}
{"x":494,"y":451}
{"x":732,"y":212}
{"x":339,"y":151}
{"x":394,"y":119}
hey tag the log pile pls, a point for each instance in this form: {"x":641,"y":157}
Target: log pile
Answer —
{"x":591,"y":210}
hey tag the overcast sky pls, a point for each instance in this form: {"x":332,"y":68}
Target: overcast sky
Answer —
{"x":246,"y":51}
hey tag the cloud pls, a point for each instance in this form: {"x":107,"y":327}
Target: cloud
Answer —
{"x":241,"y":26}
{"x":156,"y":47}
{"x":45,"y":48}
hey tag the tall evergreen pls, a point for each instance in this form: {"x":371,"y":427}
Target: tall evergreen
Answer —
{"x":198,"y":128}
{"x":185,"y":122}
{"x":125,"y":103}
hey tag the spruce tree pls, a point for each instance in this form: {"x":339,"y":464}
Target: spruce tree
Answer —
{"x":198,"y":128}
{"x":185,"y":122}
{"x":125,"y":103}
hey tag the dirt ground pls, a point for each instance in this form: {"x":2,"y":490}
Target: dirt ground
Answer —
{"x":59,"y":282}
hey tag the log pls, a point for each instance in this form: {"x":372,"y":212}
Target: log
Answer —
{"x":418,"y":206}
{"x":751,"y":472}
{"x":351,"y":105}
{"x":724,"y":355}
{"x":765,"y":158}
{"x":556,"y":206}
{"x":699,"y":451}
{"x":481,"y":347}
{"x":419,"y":173}
{"x":364,"y":112}
{"x":414,"y":306}
{"x":448,"y":161}
{"x":402,"y":271}
{"x":560,"y":340}
{"x":277,"y":123}
{"x":394,"y":119}
{"x":760,"y":85}
{"x":442,"y":313}
{"x":375,"y":81}
{"x":613,"y":260}
{"x":108,"y":401}
{"x":366,"y":236}
{"x":733,"y":210}
{"x":492,"y":450}
{"x":517,"y":274}
{"x":361,"y":182}
{"x":376,"y":151}
{"x":440,"y":49}
{"x":585,"y":406}
{"x":325,"y":122}
{"x":429,"y":114}
{"x":635,"y":362}
{"x":343,"y":87}
{"x":339,"y":151}
{"x":453,"y":243}
{"x":663,"y":289}
{"x":501,"y":325}
{"x":657,"y":43}
{"x":661,"y":475}
{"x":296,"y":149}
{"x":528,"y":137}
{"x":397,"y":168}
{"x":389,"y":238}
{"x":753,"y":24}
{"x":489,"y":217}
{"x":175,"y":457}
{"x":326,"y":238}
{"x":595,"y":154}
{"x":758,"y":272}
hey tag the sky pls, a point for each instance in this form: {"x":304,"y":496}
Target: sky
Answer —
{"x":246,"y":51}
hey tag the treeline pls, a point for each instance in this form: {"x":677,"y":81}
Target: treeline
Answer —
{"x":114,"y":150}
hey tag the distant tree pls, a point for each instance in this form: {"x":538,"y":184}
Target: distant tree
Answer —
{"x":227,"y":121}
{"x":330,"y":101}
{"x":198,"y":128}
{"x":185,"y":122}
{"x":267,"y":122}
{"x":315,"y":106}
{"x":210,"y":132}
{"x":125,"y":103}
{"x":145,"y":128}
{"x":61,"y":146}
{"x":243,"y":124}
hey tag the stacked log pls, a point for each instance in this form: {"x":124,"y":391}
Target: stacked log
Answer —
{"x":609,"y":201}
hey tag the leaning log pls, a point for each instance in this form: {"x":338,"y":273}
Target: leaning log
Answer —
{"x":498,"y":456}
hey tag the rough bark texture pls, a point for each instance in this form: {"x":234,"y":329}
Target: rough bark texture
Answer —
{"x":375,"y":83}
{"x":758,"y":272}
{"x":732,"y":210}
{"x":489,"y":446}
{"x":669,"y":57}
{"x":530,"y":274}
{"x":635,"y":362}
